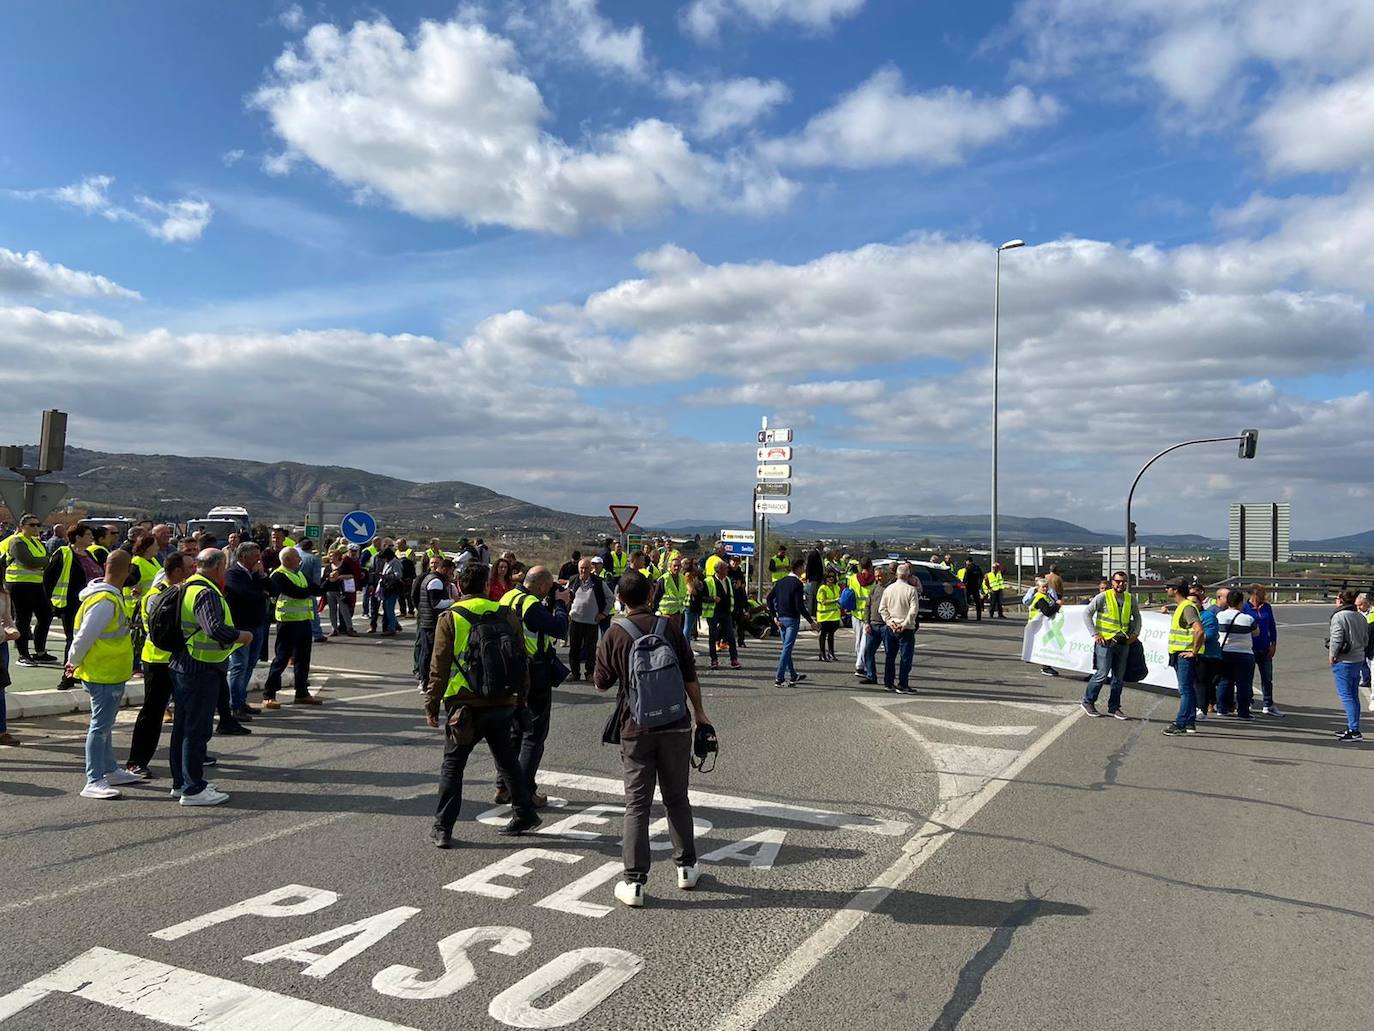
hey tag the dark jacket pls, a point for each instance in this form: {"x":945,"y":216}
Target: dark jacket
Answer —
{"x":247,"y":595}
{"x":815,"y":566}
{"x":787,"y":599}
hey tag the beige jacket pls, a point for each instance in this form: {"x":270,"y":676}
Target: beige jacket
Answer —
{"x":900,"y":604}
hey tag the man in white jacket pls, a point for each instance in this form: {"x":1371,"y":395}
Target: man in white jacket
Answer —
{"x":900,"y":609}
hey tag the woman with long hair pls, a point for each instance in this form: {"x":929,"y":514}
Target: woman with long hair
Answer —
{"x":696,"y":591}
{"x":499,"y":583}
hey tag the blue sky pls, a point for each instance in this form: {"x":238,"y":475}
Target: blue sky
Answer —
{"x":574,"y":250}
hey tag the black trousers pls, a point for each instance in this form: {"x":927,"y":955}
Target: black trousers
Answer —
{"x":827,"y":639}
{"x":977,"y":598}
{"x":157,"y":692}
{"x":478,"y":724}
{"x":722,"y":628}
{"x":582,"y":638}
{"x":31,"y":605}
{"x":995,"y":605}
{"x":294,"y":640}
{"x":67,"y":615}
{"x":527,"y":736}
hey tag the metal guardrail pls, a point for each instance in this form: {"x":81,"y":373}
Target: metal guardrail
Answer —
{"x":1280,"y":588}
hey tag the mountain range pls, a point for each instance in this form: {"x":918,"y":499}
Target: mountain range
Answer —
{"x":175,"y":486}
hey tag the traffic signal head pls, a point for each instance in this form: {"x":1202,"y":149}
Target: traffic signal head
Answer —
{"x":1249,"y":441}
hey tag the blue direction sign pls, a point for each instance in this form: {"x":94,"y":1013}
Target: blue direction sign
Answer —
{"x":739,"y":548}
{"x":358,"y":527}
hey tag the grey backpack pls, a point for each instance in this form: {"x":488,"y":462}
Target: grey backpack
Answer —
{"x":655,"y":693}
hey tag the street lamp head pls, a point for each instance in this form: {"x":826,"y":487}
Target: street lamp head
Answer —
{"x":1012,"y":245}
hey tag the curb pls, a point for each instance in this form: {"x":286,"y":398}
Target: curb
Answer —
{"x":21,"y":705}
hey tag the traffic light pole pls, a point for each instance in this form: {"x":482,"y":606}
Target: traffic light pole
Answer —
{"x":1247,"y":439}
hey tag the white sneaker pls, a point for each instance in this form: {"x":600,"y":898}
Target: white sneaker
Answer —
{"x":631,"y":895}
{"x":687,"y":877}
{"x":1202,"y":714}
{"x":1272,"y":710}
{"x":176,"y":792}
{"x":123,"y":777}
{"x":210,"y":796}
{"x":99,"y":789}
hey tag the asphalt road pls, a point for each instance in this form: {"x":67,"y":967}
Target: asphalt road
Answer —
{"x":979,"y":855}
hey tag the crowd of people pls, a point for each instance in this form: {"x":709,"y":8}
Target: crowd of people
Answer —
{"x":193,"y":618}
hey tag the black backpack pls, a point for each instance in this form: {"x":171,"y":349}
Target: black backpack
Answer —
{"x":164,"y":620}
{"x":494,"y":660}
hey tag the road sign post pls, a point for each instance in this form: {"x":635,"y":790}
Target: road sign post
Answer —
{"x":624,"y":516}
{"x":26,"y":494}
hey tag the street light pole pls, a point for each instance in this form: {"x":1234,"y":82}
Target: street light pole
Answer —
{"x":1248,"y":441}
{"x":996,"y":334}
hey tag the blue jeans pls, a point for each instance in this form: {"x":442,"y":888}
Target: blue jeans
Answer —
{"x":1235,"y":689}
{"x":100,"y":756}
{"x":4,"y":676}
{"x":1108,"y":660}
{"x":1264,"y":666}
{"x":390,"y":624}
{"x":1347,"y":676}
{"x":872,"y":638}
{"x":1364,"y":676}
{"x":192,"y":724}
{"x":315,"y":620}
{"x":1185,"y":669}
{"x":898,"y":645}
{"x":790,"y":626}
{"x":241,"y":666}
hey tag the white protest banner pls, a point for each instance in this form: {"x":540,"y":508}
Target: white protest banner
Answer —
{"x":1066,"y":643}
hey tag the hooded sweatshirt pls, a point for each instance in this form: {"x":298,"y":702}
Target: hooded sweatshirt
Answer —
{"x":97,"y":618}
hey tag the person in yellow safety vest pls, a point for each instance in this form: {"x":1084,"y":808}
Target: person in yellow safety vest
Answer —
{"x":102,"y":658}
{"x":432,"y":555}
{"x":640,"y":561}
{"x":199,"y":676}
{"x":27,"y":560}
{"x":778,"y":565}
{"x":70,"y":569}
{"x":99,"y":547}
{"x":473,"y":716}
{"x":861,"y":583}
{"x":146,"y":568}
{"x":295,"y":634}
{"x":828,"y":614}
{"x":1186,"y":644}
{"x":716,"y":559}
{"x":1365,"y":608}
{"x":673,"y":595}
{"x":542,"y":606}
{"x":157,"y":675}
{"x":994,"y":583}
{"x":1113,"y":619}
{"x":1041,"y":603}
{"x":619,"y":561}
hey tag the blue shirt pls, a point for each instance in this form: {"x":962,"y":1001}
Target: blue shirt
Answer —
{"x":1268,"y":627}
{"x":788,"y":599}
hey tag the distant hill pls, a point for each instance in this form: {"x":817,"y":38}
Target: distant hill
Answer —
{"x":1359,"y":543}
{"x":174,"y":486}
{"x":1031,"y":530}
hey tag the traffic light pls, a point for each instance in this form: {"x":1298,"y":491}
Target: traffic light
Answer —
{"x":1249,"y":441}
{"x":1131,"y":538}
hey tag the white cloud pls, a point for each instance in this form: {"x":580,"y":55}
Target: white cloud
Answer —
{"x":447,"y":126}
{"x":232,"y":157}
{"x":596,"y":38}
{"x":879,"y":123}
{"x":178,"y":221}
{"x":27,"y":275}
{"x":728,"y":104}
{"x":1320,"y":128}
{"x":292,"y":18}
{"x":704,"y":18}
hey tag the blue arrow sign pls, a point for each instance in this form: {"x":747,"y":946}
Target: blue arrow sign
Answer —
{"x":358,"y":527}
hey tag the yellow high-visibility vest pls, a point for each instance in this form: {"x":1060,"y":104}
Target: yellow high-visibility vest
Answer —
{"x":111,"y":658}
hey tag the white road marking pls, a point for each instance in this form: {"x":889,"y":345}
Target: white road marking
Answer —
{"x":183,"y":998}
{"x":1049,"y":708}
{"x":939,"y":829}
{"x":971,"y":728}
{"x":733,"y":803}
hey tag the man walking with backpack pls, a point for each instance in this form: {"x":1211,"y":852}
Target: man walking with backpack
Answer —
{"x":480,"y":677}
{"x":648,"y":657}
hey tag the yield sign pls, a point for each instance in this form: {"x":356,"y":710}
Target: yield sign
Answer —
{"x":624,"y":515}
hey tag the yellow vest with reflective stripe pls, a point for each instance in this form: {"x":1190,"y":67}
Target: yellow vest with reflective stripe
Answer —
{"x":1180,"y":636}
{"x":17,"y":574}
{"x":458,"y":681}
{"x":828,"y":603}
{"x":151,"y":652}
{"x":619,"y":562}
{"x":1031,"y":610}
{"x":111,"y":658}
{"x":64,"y":578}
{"x":147,"y":573}
{"x":294,"y":610}
{"x":520,"y":600}
{"x":1115,"y":617}
{"x":708,"y":603}
{"x":861,"y":594}
{"x":778,"y":567}
{"x":961,"y":573}
{"x":199,"y":645}
{"x":994,"y":581}
{"x":674,"y":598}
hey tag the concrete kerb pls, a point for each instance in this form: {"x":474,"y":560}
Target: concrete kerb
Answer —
{"x":32,"y":704}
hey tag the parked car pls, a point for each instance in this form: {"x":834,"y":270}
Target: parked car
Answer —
{"x":943,"y":596}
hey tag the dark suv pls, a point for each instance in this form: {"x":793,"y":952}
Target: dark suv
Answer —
{"x":942,"y":593}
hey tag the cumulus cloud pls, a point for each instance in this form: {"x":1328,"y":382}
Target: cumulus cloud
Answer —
{"x":1322,"y":128}
{"x":880,"y":123}
{"x":725,"y":105}
{"x":28,"y":275}
{"x":704,"y":18}
{"x":597,"y":40}
{"x":177,"y":221}
{"x":292,"y":18}
{"x":448,"y":126}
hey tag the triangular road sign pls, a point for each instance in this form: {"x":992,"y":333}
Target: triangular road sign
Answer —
{"x":624,"y":516}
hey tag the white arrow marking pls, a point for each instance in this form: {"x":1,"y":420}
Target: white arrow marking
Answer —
{"x":357,"y":526}
{"x":970,"y":728}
